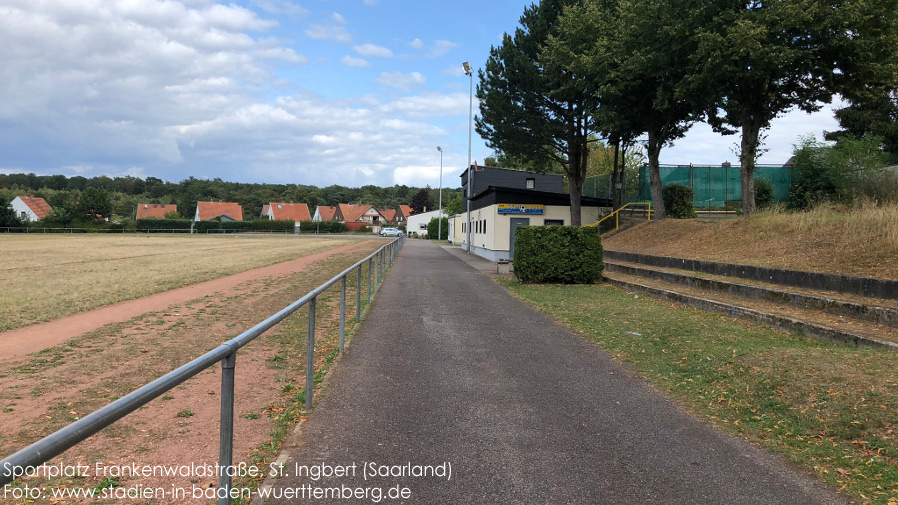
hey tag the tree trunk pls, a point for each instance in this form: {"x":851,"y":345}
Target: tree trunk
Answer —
{"x":617,"y":177}
{"x":751,"y":131}
{"x":575,"y":182}
{"x":654,"y":152}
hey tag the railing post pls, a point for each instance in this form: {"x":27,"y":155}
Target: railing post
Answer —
{"x":342,"y":313}
{"x":310,"y":354}
{"x":376,"y":269}
{"x":370,"y":261}
{"x":358,"y":297}
{"x":226,"y":429}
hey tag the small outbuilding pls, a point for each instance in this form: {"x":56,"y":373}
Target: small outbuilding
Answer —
{"x":227,"y":211}
{"x":505,"y":199}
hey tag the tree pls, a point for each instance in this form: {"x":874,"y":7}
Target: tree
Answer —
{"x":94,"y":204}
{"x":873,"y":113}
{"x":455,"y":205}
{"x":760,"y":59}
{"x":534,"y":112}
{"x":637,"y":65}
{"x":421,"y":201}
{"x":8,"y":217}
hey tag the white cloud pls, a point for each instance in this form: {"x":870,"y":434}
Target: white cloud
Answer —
{"x":349,"y":61}
{"x":398,"y":80}
{"x":436,"y":49}
{"x":417,"y":44}
{"x":334,"y":30}
{"x":373,"y":51}
{"x":285,"y":7}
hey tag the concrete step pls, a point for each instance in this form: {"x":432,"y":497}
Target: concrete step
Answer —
{"x":877,"y":311}
{"x":811,"y":322}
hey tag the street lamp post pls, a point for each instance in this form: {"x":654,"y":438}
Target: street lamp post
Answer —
{"x":467,"y":67}
{"x":440,"y":222}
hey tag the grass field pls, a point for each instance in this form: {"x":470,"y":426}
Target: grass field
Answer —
{"x":832,"y":409}
{"x":43,"y":277}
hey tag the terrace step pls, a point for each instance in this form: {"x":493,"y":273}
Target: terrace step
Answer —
{"x":877,"y":311}
{"x":829,"y":315}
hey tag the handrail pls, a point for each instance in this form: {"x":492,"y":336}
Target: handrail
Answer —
{"x":616,"y":214}
{"x":76,"y":432}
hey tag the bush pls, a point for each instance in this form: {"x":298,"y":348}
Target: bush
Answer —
{"x":163,"y":224}
{"x":365,"y":229}
{"x":433,"y":229}
{"x":564,"y":254}
{"x":841,"y":173}
{"x":764,"y":197}
{"x":678,"y":201}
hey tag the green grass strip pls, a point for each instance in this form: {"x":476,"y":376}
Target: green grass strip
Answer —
{"x":829,"y":408}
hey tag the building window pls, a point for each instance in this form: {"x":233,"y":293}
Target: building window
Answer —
{"x":531,"y":183}
{"x":484,"y":226}
{"x":554,"y":222}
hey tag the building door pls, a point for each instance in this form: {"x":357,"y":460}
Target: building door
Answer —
{"x":516,"y":222}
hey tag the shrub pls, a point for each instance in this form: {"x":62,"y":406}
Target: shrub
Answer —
{"x":764,"y":197}
{"x":678,"y":201}
{"x":365,"y":229}
{"x":852,"y":168}
{"x":433,"y":229}
{"x":564,"y":254}
{"x":163,"y":224}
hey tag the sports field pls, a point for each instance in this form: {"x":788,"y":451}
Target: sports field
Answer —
{"x":43,"y":277}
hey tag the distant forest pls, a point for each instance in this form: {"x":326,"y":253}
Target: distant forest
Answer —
{"x":125,"y":193}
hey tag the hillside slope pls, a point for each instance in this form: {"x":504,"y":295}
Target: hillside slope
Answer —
{"x":830,"y":239}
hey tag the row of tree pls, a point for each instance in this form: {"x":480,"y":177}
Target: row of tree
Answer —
{"x":580,"y":71}
{"x":78,"y":198}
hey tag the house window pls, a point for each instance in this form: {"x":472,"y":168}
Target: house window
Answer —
{"x":484,"y":226}
{"x":531,"y":183}
{"x":554,"y":222}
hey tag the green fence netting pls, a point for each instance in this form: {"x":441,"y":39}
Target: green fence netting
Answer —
{"x":714,"y":186}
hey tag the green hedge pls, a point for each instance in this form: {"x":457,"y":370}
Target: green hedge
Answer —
{"x":678,"y":201}
{"x":207,"y":226}
{"x":560,"y":254}
{"x":433,"y":229}
{"x":323,"y":227}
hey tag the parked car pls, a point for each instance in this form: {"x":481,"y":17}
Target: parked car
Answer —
{"x":390,"y":232}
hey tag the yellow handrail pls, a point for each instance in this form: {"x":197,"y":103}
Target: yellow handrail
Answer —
{"x":616,"y":214}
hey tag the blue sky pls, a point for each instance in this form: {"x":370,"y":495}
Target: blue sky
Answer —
{"x":310,"y":92}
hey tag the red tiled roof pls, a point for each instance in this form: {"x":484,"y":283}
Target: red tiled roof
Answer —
{"x":39,"y":206}
{"x":265,"y":210}
{"x":388,"y":214}
{"x":326,"y":213}
{"x":289,"y":211}
{"x":155,"y":210}
{"x":211,"y":210}
{"x":352,"y":212}
{"x":406,"y":210}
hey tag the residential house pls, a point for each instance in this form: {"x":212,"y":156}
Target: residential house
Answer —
{"x":282,"y":211}
{"x":155,"y":210}
{"x":324,"y":213}
{"x":403,"y":212}
{"x":389,"y":216}
{"x":227,"y":211}
{"x":358,"y":215}
{"x":31,"y":208}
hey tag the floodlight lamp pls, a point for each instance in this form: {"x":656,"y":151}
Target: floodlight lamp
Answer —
{"x":439,"y":148}
{"x":467,"y":67}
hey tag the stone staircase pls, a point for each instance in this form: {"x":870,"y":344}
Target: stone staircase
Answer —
{"x":856,"y":310}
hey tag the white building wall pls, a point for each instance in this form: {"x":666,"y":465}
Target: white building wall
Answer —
{"x":23,"y":210}
{"x":416,"y":221}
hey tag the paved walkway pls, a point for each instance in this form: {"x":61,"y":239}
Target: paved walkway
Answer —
{"x":450,"y":372}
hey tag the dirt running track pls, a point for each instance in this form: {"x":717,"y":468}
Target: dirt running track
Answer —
{"x":19,"y":342}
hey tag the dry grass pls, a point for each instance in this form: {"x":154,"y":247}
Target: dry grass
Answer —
{"x":829,"y":238}
{"x":43,"y":277}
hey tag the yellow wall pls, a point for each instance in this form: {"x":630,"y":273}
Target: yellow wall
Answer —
{"x":498,"y":226}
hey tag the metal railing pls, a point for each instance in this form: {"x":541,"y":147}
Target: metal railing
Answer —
{"x":616,"y":214}
{"x":57,"y":443}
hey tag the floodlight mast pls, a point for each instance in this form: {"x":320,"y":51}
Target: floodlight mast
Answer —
{"x":440,"y":222}
{"x":468,"y":71}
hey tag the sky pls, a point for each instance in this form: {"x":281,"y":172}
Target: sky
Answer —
{"x":319,"y":92}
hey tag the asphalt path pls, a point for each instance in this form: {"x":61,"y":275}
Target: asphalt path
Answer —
{"x":456,"y":392}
